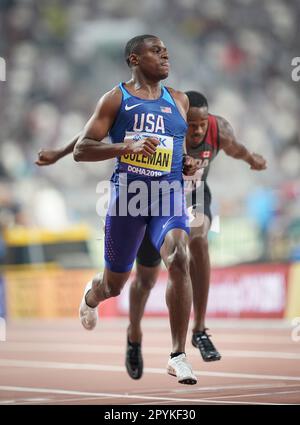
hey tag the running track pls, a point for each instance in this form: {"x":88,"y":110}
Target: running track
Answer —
{"x":57,"y":362}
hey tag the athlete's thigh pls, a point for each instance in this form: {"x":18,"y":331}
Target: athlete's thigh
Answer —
{"x":160,"y":225}
{"x":123,"y":236}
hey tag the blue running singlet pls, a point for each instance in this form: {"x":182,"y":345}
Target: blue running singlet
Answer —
{"x":140,"y":118}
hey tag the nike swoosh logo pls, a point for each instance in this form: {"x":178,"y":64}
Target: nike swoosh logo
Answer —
{"x":127,"y":108}
{"x":164,"y":225}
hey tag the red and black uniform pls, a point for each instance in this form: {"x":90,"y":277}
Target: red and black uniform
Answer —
{"x":204,"y":153}
{"x":207,"y":150}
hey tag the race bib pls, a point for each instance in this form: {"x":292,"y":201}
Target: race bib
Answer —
{"x":157,"y":165}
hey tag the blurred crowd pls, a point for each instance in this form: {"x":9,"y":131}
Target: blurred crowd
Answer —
{"x":63,"y":55}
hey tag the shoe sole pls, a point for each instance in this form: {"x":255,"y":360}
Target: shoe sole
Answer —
{"x":88,"y":327}
{"x":187,"y":381}
{"x":131,"y":374}
{"x":212,"y":359}
{"x":129,"y":369}
{"x":92,"y":326}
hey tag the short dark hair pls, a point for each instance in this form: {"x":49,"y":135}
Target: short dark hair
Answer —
{"x":134,"y":44}
{"x":197,"y":100}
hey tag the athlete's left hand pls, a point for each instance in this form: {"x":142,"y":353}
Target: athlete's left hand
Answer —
{"x":189,"y":166}
{"x":258,"y":162}
{"x":47,"y":157}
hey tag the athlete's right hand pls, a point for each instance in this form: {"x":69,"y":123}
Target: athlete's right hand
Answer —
{"x":190,"y":165}
{"x":146,"y":147}
{"x":47,"y":157}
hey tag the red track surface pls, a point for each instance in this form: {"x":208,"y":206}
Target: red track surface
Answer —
{"x":58,"y":362}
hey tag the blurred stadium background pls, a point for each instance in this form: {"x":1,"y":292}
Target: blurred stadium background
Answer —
{"x":61,"y":57}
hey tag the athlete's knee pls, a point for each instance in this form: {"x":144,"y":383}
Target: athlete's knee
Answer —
{"x":112,"y":288}
{"x":178,"y":260}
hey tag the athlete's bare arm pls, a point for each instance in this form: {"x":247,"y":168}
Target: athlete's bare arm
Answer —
{"x":236,"y":150}
{"x":90,"y":147}
{"x":50,"y":156}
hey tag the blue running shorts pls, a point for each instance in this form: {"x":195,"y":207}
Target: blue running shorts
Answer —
{"x":127,"y":220}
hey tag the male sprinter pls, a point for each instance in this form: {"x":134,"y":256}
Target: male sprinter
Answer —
{"x":147,"y":124}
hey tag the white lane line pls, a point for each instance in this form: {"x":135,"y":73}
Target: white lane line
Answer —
{"x":151,"y":322}
{"x":275,"y":393}
{"x":149,"y":403}
{"x":112,"y":368}
{"x":165,"y":392}
{"x":124,"y":396}
{"x":116,"y":349}
{"x":205,"y":391}
{"x":250,"y":376}
{"x":234,"y":387}
{"x":59,"y":400}
{"x":238,"y":340}
{"x":261,"y":354}
{"x":225,"y":337}
{"x":255,"y":339}
{"x":8,"y":401}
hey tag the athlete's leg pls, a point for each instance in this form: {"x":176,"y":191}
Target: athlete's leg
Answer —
{"x":147,"y":269}
{"x":179,"y":300}
{"x":200,"y":276}
{"x":100,"y":288}
{"x":169,"y":234}
{"x":140,"y":289}
{"x":123,"y":236}
{"x":179,"y":291}
{"x":105,"y":286}
{"x":200,"y":271}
